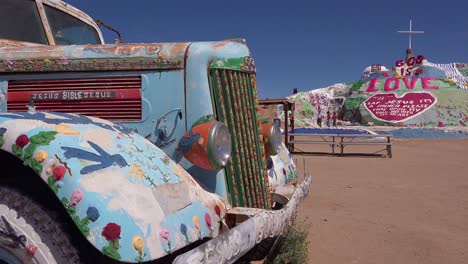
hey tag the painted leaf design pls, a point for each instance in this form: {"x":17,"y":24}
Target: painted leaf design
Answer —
{"x":28,"y":153}
{"x":63,"y":200}
{"x":17,"y":151}
{"x":37,"y":167}
{"x":111,"y":252}
{"x":43,"y":137}
{"x":52,"y":185}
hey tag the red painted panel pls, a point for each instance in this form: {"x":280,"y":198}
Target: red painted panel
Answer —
{"x":116,"y":98}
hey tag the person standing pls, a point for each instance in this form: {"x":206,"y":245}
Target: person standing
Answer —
{"x":319,"y":118}
{"x":328,"y":119}
{"x":334,"y":120}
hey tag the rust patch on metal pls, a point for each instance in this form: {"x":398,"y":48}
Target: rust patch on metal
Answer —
{"x":126,"y":49}
{"x":219,"y":45}
{"x":42,"y":58}
{"x":177,"y":48}
{"x":16,"y":43}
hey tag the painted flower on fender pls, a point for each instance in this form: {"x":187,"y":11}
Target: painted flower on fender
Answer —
{"x":196,"y":222}
{"x":31,"y":250}
{"x":164,"y":234}
{"x":76,"y":197}
{"x":111,"y":232}
{"x":59,"y":184}
{"x":92,"y":213}
{"x":138,"y":243}
{"x":22,"y":141}
{"x":58,"y":172}
{"x":217,"y":210}
{"x":184,"y":232}
{"x":41,"y":156}
{"x":183,"y":229}
{"x":208,"y":220}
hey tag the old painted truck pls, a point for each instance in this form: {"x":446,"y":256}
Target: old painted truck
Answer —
{"x":132,"y":152}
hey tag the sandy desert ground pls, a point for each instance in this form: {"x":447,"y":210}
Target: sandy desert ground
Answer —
{"x":412,"y":208}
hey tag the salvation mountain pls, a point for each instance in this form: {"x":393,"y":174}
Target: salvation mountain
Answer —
{"x":413,"y":93}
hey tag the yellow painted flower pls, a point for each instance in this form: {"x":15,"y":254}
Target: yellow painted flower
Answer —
{"x":450,"y":80}
{"x":136,"y":171}
{"x":41,"y":156}
{"x":138,"y":243}
{"x":196,"y":222}
{"x":66,"y":130}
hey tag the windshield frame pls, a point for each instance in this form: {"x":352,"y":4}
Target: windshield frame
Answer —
{"x":68,"y":9}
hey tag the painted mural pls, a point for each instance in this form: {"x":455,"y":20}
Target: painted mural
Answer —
{"x":153,"y":206}
{"x":414,"y":93}
{"x":282,"y":168}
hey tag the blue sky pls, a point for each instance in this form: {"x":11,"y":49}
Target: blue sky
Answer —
{"x":303,"y":44}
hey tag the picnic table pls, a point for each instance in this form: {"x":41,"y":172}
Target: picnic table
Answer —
{"x":341,"y":141}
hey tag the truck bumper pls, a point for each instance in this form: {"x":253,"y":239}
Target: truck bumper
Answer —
{"x":234,"y":243}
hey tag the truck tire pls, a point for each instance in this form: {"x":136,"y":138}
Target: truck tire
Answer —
{"x":29,"y":234}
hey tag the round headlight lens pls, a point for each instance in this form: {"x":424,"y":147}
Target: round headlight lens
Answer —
{"x":275,"y":139}
{"x":219,"y":145}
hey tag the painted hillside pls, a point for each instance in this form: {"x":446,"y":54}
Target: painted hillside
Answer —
{"x":412,"y":93}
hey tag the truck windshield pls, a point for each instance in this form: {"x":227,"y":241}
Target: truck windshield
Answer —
{"x":19,"y":20}
{"x":68,"y":30}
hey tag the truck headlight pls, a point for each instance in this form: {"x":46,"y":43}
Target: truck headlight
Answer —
{"x":219,"y":145}
{"x":207,"y":145}
{"x":273,"y":138}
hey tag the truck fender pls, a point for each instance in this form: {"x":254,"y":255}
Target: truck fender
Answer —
{"x":125,"y":195}
{"x":282,"y":169}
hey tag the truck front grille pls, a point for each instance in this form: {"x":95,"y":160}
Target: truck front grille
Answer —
{"x":235,"y":101}
{"x":115,"y":98}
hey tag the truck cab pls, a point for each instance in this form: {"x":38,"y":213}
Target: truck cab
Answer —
{"x":147,"y":150}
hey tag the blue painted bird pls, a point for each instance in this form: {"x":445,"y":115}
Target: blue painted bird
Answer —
{"x":186,"y":143}
{"x":103,"y":159}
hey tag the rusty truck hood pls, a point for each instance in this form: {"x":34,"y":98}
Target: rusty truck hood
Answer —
{"x":24,"y":57}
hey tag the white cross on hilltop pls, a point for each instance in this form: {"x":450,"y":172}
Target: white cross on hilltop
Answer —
{"x":410,"y":32}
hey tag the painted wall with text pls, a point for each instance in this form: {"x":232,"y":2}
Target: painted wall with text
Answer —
{"x":414,"y":92}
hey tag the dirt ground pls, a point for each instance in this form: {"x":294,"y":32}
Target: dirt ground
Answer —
{"x":412,"y":208}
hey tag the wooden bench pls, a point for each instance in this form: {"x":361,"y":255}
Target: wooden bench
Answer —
{"x":342,"y":140}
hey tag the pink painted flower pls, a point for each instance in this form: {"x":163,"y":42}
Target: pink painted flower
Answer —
{"x":164,"y":234}
{"x":31,"y":250}
{"x":208,"y":220}
{"x":22,"y":141}
{"x":58,"y":172}
{"x":76,"y":197}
